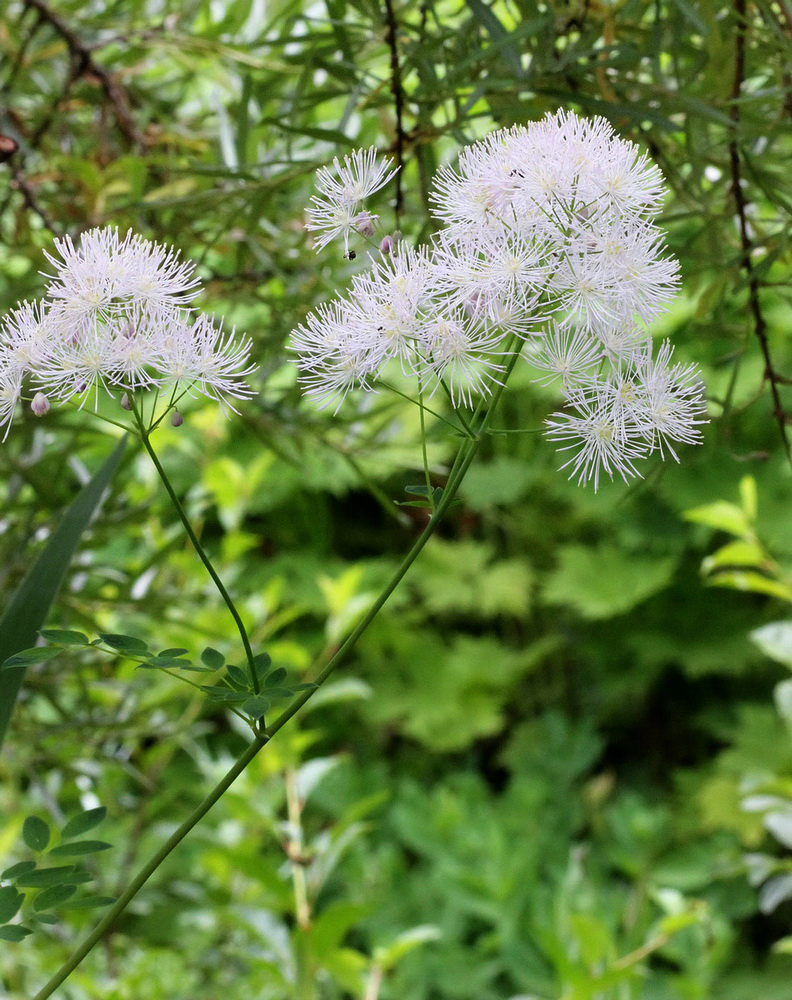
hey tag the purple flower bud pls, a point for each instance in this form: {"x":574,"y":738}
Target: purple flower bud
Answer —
{"x":126,"y":402}
{"x":176,"y":419}
{"x":364,"y":223}
{"x":40,"y":404}
{"x":386,"y":246}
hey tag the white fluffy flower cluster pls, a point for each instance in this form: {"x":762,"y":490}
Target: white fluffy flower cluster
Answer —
{"x":116,"y":318}
{"x":547,"y":237}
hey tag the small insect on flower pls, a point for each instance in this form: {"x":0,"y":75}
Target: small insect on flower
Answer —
{"x":337,"y":207}
{"x":547,"y":242}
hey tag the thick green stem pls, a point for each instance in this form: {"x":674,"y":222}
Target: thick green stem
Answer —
{"x":202,"y":555}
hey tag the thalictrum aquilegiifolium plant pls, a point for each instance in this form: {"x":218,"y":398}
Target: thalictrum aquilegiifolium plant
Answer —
{"x":547,"y":248}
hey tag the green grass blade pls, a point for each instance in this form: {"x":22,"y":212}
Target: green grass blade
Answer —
{"x":29,"y":607}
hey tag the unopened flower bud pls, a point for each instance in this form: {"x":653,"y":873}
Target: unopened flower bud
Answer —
{"x":386,"y":246}
{"x":176,"y":419}
{"x":40,"y":404}
{"x":364,"y":223}
{"x":126,"y":402}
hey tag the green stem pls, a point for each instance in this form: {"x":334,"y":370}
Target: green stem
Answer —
{"x":427,"y":476}
{"x":466,"y":455}
{"x":149,"y":868}
{"x":144,"y":434}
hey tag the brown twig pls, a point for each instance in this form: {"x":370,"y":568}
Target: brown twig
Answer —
{"x":754,"y":301}
{"x":398,"y":100}
{"x":22,"y":184}
{"x":85,"y":64}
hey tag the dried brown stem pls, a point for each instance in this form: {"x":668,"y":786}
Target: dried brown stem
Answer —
{"x":754,"y":299}
{"x":398,"y":99}
{"x":22,"y":184}
{"x":85,"y":64}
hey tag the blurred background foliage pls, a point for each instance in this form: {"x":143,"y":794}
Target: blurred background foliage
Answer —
{"x":551,"y":768}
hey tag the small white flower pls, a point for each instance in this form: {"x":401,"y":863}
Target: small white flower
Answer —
{"x":202,"y":357}
{"x":459,"y":352}
{"x":567,"y":354}
{"x":10,"y":392}
{"x":335,"y":355}
{"x":671,"y":406}
{"x":104,"y":273}
{"x":600,"y":439}
{"x":336,"y":209}
{"x":26,"y":336}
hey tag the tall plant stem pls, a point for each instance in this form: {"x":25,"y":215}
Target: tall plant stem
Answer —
{"x":144,"y":434}
{"x":466,"y":455}
{"x":149,"y":868}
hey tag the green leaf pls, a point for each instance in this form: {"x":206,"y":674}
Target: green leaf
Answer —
{"x":14,"y":932}
{"x":53,"y":896}
{"x":79,"y":847}
{"x":238,"y":677}
{"x":37,"y":654}
{"x":279,"y":693}
{"x":261,"y":663}
{"x":736,"y":553}
{"x":721,"y":515}
{"x":604,"y":581}
{"x":35,"y":833}
{"x":10,"y":901}
{"x":257,"y":706}
{"x":64,"y":637}
{"x":125,"y":643}
{"x":88,"y":902}
{"x":406,"y":942}
{"x":171,"y":654}
{"x":212,"y":658}
{"x":83,"y":822}
{"x":749,"y":580}
{"x":275,"y":678}
{"x":28,"y":608}
{"x":15,"y":871}
{"x":224,"y":694}
{"x":45,"y":877}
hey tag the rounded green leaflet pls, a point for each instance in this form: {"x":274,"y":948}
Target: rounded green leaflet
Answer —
{"x":53,"y":896}
{"x":78,"y":847}
{"x":10,"y":901}
{"x":14,"y":932}
{"x":35,"y":833}
{"x":83,"y":822}
{"x":64,"y":637}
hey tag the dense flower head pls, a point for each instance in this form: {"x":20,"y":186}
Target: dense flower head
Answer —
{"x":548,"y":239}
{"x":116,"y":318}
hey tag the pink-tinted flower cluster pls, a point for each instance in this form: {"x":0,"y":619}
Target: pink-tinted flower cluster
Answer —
{"x":548,"y":243}
{"x":116,"y":318}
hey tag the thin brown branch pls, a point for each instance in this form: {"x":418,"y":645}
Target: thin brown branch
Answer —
{"x":22,"y":184}
{"x":398,"y":100}
{"x":754,"y":299}
{"x":86,"y":65}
